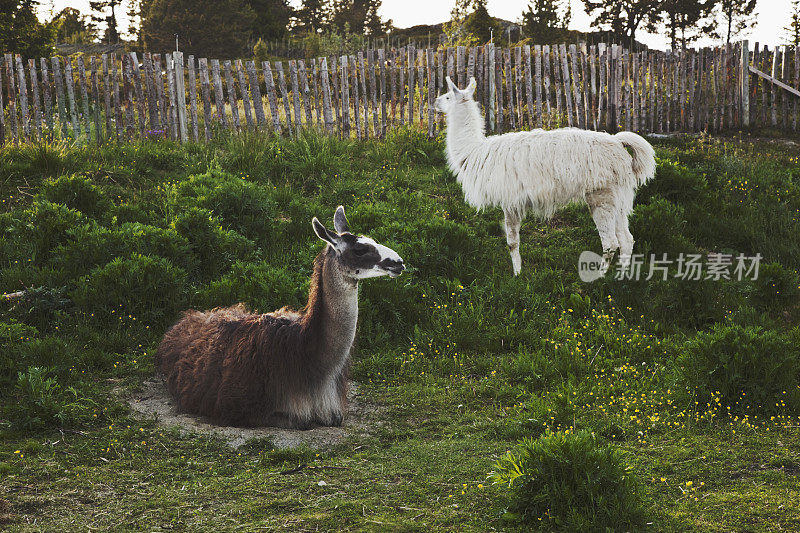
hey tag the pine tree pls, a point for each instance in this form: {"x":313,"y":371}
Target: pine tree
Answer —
{"x":111,"y":35}
{"x":471,"y":24}
{"x":683,"y":20}
{"x":735,"y":17}
{"x":74,"y":27}
{"x":545,"y":21}
{"x":134,"y":13}
{"x":622,"y":17}
{"x":793,"y":29}
{"x":313,"y":16}
{"x":360,"y":16}
{"x":271,"y":20}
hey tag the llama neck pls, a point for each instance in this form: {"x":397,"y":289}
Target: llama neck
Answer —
{"x":332,"y":311}
{"x":464,"y":132}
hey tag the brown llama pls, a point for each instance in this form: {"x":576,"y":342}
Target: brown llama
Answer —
{"x":286,"y":368}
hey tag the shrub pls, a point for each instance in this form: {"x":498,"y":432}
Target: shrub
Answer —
{"x":333,"y":42}
{"x":676,"y":302}
{"x":570,"y":482}
{"x":36,"y":231}
{"x":13,"y":336}
{"x":776,"y":288}
{"x":241,"y":205}
{"x":40,"y":306}
{"x":91,"y":245}
{"x":40,"y":401}
{"x":79,"y":193}
{"x":260,"y":285}
{"x":149,"y":289}
{"x":12,"y":246}
{"x":745,"y":368}
{"x":215,"y":248}
{"x":438,"y":247}
{"x":260,"y":51}
{"x":124,"y":213}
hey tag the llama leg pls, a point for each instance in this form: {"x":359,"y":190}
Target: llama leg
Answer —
{"x":625,"y":240}
{"x":624,"y":236}
{"x":328,"y":404}
{"x":604,"y":213}
{"x":512,"y":223}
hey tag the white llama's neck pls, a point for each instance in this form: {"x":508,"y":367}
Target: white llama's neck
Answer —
{"x":464,"y":132}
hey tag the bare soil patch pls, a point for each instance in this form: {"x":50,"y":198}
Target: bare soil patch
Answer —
{"x":154,"y":400}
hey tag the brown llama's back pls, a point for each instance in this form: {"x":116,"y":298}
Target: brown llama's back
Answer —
{"x":236,"y":367}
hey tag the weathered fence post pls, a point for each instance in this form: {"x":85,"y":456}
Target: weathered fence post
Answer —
{"x":303,"y":73}
{"x":46,"y":95}
{"x":492,"y":94}
{"x":22,"y":92}
{"x":193,"y":97}
{"x":269,"y":81}
{"x":344,"y":95}
{"x":2,"y":108}
{"x":180,"y":96}
{"x":255,"y":90}
{"x":287,"y":111}
{"x":326,"y":96}
{"x":382,"y":68}
{"x":745,"y":78}
{"x":37,"y":113}
{"x":431,"y":92}
{"x":233,"y":100}
{"x":205,"y":91}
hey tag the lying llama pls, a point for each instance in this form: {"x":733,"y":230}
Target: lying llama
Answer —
{"x":540,"y":171}
{"x":287,"y":368}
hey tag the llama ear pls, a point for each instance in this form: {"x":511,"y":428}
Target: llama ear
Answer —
{"x":451,"y":85}
{"x":340,"y":221}
{"x":324,"y":233}
{"x":470,"y":90}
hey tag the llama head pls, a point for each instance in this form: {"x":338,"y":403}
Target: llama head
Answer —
{"x":455,"y":96}
{"x":358,"y":256}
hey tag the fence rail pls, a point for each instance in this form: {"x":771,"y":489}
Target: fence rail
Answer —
{"x":118,"y":97}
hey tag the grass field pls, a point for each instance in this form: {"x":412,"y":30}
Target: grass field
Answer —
{"x":686,"y":389}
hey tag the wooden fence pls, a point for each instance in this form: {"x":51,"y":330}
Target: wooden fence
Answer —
{"x":111,"y":97}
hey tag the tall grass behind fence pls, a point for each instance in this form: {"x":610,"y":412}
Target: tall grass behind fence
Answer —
{"x":118,"y":97}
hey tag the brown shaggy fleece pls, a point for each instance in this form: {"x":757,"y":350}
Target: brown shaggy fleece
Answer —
{"x":246,"y":369}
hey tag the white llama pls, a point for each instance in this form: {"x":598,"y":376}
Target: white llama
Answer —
{"x":540,"y":171}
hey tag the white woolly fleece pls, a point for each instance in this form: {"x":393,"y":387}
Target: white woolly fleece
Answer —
{"x":540,"y":171}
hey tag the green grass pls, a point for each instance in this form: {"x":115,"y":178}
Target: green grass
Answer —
{"x":679,"y":381}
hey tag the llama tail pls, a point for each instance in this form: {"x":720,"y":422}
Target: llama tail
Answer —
{"x":644,"y":157}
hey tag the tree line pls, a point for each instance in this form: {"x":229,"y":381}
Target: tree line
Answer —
{"x":231,"y":28}
{"x":682,"y":21}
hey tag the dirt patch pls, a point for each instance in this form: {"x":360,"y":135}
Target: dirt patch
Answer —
{"x":154,"y":400}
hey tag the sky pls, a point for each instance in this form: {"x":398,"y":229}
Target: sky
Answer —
{"x":772,"y":17}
